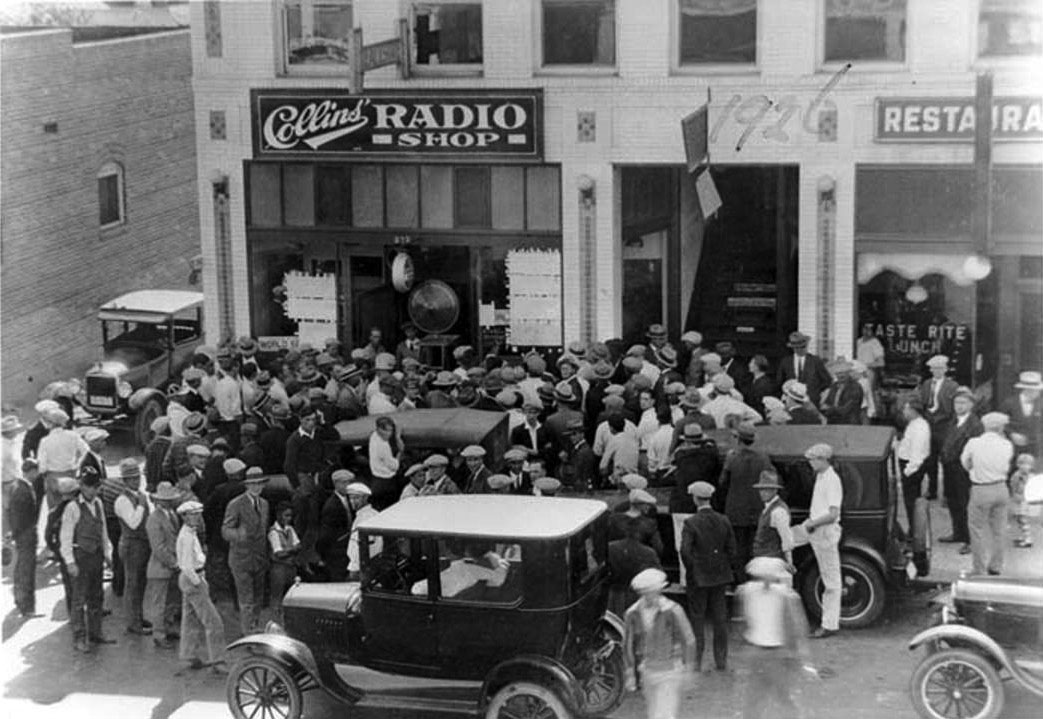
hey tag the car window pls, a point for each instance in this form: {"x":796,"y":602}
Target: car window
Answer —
{"x":587,"y":553}
{"x":477,"y":570}
{"x":134,"y":333}
{"x":798,"y":479}
{"x":398,"y":566}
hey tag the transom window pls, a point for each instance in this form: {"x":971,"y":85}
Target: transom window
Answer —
{"x":110,"y":195}
{"x":1010,"y":28}
{"x":447,"y":34}
{"x":317,"y":34}
{"x":717,"y":32}
{"x":865,"y":30}
{"x":579,"y":32}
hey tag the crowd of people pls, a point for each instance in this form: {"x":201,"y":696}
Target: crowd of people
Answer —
{"x":245,"y":489}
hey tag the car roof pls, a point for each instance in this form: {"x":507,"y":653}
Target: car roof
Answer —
{"x":453,"y":427}
{"x":848,"y":441}
{"x":152,"y":305}
{"x":487,"y":515}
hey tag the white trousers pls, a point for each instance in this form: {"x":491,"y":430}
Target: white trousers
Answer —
{"x":662,"y":690}
{"x":825,"y":543}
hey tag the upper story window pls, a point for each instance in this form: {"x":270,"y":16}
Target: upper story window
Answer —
{"x":447,"y":34}
{"x":871,"y":30}
{"x":579,"y":32}
{"x":1010,"y":28}
{"x":110,"y":195}
{"x":717,"y":32}
{"x":317,"y":34}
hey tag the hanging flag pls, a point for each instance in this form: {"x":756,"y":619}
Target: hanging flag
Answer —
{"x":706,"y":191}
{"x":694,"y":130}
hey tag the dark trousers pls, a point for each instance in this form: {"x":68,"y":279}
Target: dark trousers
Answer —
{"x":957,"y":494}
{"x":912,"y":488}
{"x":135,"y":554}
{"x":743,"y":550}
{"x":67,"y":584}
{"x":24,"y":579}
{"x":115,"y":531}
{"x":709,"y":602}
{"x":85,"y":617}
{"x":934,"y":461}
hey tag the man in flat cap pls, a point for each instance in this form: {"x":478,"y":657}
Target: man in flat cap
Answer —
{"x":132,"y":511}
{"x":175,"y":463}
{"x":937,"y":394}
{"x":987,"y":459}
{"x":806,"y":368}
{"x":335,"y":527}
{"x":202,"y":630}
{"x":708,"y":552}
{"x":416,"y":477}
{"x":822,"y":528}
{"x":245,"y":528}
{"x":359,"y":495}
{"x":514,"y":463}
{"x":478,"y":474}
{"x":964,"y":426}
{"x":86,"y":550}
{"x":437,"y":481}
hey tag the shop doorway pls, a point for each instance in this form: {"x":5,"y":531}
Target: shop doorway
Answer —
{"x":644,"y":281}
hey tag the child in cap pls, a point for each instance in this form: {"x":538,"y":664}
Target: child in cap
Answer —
{"x":1022,"y":510}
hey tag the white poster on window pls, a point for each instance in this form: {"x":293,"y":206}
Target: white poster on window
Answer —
{"x":534,"y":293}
{"x":310,"y":298}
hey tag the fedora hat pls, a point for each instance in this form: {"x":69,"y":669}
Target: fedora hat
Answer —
{"x":563,"y":393}
{"x":797,"y":391}
{"x":602,"y":369}
{"x":656,"y":330}
{"x":768,"y":480}
{"x":247,"y":346}
{"x":445,"y":379}
{"x":666,"y":356}
{"x":166,"y":491}
{"x":797,"y":340}
{"x":1029,"y":380}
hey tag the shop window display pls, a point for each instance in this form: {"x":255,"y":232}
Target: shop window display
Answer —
{"x":716,"y":31}
{"x":317,"y":33}
{"x":865,"y":30}
{"x":579,"y":32}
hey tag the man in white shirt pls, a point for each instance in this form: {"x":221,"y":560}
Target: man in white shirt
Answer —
{"x":358,"y":495}
{"x":202,"y":630}
{"x":228,"y":400}
{"x":85,"y":548}
{"x":913,"y":451}
{"x":285,"y":546}
{"x":59,"y":454}
{"x":132,"y":511}
{"x":823,"y":533}
{"x":647,"y":423}
{"x":870,"y":352}
{"x":987,"y":458}
{"x":657,"y":443}
{"x":724,"y":405}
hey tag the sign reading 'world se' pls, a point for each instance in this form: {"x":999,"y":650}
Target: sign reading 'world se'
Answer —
{"x":324,"y":123}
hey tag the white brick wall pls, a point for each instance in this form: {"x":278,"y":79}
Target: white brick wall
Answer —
{"x":638,"y":111}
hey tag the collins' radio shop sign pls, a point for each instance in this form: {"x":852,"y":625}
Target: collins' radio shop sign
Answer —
{"x":448,"y":125}
{"x":952,"y":119}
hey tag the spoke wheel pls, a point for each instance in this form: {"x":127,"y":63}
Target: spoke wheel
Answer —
{"x":262,"y":688}
{"x":956,"y":684}
{"x":526,"y":700}
{"x":603,"y":685}
{"x":862,"y":592}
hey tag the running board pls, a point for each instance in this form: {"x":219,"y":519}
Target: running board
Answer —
{"x":425,"y":705}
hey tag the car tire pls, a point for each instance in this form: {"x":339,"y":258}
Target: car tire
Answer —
{"x":147,"y":414}
{"x":956,"y":683}
{"x":860,"y":579}
{"x":603,"y":686}
{"x":526,"y":700}
{"x":259,"y":682}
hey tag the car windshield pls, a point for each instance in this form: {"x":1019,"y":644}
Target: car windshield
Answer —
{"x":397,"y":564}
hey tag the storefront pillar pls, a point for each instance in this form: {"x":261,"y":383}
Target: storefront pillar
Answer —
{"x":607,"y":257}
{"x":845,"y":291}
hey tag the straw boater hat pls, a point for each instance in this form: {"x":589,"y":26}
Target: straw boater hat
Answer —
{"x":254,"y":475}
{"x":602,"y":369}
{"x":798,"y":340}
{"x":797,"y":391}
{"x":692,"y":337}
{"x":165,"y":491}
{"x":247,"y":346}
{"x":564,"y":394}
{"x":656,"y":331}
{"x":1029,"y":380}
{"x":445,"y":379}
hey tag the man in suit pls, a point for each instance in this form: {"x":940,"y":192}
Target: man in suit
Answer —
{"x":335,"y":527}
{"x":1026,"y":414}
{"x":162,"y":596}
{"x":245,"y":528}
{"x":842,"y":400}
{"x":708,"y":552}
{"x":804,"y":367}
{"x":742,"y":503}
{"x":477,"y":480}
{"x":963,"y":426}
{"x":936,"y":394}
{"x":410,"y":346}
{"x":734,"y":366}
{"x":21,"y":512}
{"x":521,"y":482}
{"x":532,"y":433}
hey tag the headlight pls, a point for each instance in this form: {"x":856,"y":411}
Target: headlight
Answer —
{"x":124,"y":390}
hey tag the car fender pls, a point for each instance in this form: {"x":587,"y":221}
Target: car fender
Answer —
{"x":533,"y":667}
{"x":965,"y":635}
{"x":140,"y":396}
{"x":298,"y":657}
{"x":864,"y":549}
{"x":614,"y":626}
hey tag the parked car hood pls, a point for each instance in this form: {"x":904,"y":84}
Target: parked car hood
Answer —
{"x":330,"y":596}
{"x":1000,"y":590}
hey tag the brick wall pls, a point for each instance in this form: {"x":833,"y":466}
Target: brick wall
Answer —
{"x":127,"y":101}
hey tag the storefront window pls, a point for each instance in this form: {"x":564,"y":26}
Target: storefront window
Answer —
{"x":269,"y":264}
{"x":579,"y":32}
{"x":447,"y":33}
{"x":1010,"y":28}
{"x":718,"y":31}
{"x":317,"y":33}
{"x":865,"y":30}
{"x":916,"y":312}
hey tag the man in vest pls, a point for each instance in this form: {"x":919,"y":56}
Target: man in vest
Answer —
{"x":132,"y":513}
{"x":86,"y":549}
{"x":773,"y":537}
{"x":245,"y":528}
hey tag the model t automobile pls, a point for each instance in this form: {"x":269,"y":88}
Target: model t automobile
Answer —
{"x":465,"y":604}
{"x":991,"y":630}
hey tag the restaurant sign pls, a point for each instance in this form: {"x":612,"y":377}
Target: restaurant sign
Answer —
{"x":952,"y":119}
{"x":449,"y":125}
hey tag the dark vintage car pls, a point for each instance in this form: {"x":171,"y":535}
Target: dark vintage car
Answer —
{"x":874,"y":552}
{"x":148,"y":336}
{"x":990,"y":631}
{"x":465,"y":605}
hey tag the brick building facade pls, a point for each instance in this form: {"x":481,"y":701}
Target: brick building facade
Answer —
{"x":832,"y":219}
{"x":98,"y":195}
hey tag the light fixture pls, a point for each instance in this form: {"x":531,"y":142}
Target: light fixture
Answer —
{"x":977,"y":267}
{"x":916,"y":293}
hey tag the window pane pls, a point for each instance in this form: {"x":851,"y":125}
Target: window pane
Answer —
{"x":543,"y":198}
{"x":477,"y":570}
{"x":318,"y":33}
{"x":108,"y":199}
{"x":265,"y":195}
{"x":402,"y":191}
{"x":436,"y":196}
{"x":865,"y":30}
{"x":508,"y":198}
{"x":299,"y":192}
{"x":448,"y":33}
{"x":718,"y":32}
{"x":333,"y":196}
{"x":472,"y":197}
{"x":367,"y":196}
{"x":1010,"y":28}
{"x":579,"y":32}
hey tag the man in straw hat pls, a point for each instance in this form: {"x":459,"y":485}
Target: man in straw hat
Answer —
{"x":658,"y":644}
{"x":245,"y":528}
{"x":822,"y":530}
{"x":161,"y":592}
{"x":86,"y":550}
{"x":132,"y":511}
{"x":708,"y":553}
{"x":202,"y":631}
{"x":1026,"y":413}
{"x":987,"y":459}
{"x":936,"y":394}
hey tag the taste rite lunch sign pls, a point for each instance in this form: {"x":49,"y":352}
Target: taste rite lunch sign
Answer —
{"x":952,"y":119}
{"x":386,"y":125}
